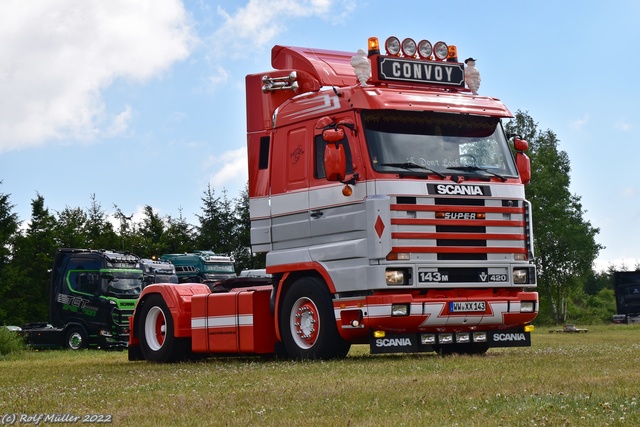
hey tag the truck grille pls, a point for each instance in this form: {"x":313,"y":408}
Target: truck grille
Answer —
{"x":447,"y":228}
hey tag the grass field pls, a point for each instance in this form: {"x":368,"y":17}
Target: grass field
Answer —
{"x":564,"y":379}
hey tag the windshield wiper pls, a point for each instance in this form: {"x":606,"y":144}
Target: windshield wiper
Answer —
{"x":477,"y":168}
{"x":412,"y":165}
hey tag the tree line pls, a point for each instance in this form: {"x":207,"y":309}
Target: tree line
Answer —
{"x":26,"y":253}
{"x":564,"y":241}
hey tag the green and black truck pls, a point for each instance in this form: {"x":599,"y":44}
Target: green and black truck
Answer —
{"x":92,"y":295}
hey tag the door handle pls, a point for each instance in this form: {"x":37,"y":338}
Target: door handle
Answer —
{"x":316,"y":214}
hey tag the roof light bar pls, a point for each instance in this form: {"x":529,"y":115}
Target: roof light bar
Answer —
{"x":425,"y":50}
{"x":409,"y":47}
{"x":441,"y":50}
{"x":392,"y":46}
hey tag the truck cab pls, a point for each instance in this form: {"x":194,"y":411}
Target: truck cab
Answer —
{"x":386,"y":181}
{"x":626,"y":285}
{"x":157,"y":271}
{"x":201,"y":266}
{"x":92,"y":295}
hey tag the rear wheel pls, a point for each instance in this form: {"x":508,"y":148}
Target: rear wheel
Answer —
{"x":307,"y":322}
{"x":157,"y":340}
{"x":76,"y":338}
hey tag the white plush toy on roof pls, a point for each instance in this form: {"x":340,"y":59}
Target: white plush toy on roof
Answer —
{"x":361,"y":66}
{"x":472,"y":75}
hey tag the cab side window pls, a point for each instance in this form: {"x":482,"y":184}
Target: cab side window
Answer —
{"x":83,"y":276}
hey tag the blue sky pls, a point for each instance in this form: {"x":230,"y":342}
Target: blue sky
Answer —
{"x":142,"y":103}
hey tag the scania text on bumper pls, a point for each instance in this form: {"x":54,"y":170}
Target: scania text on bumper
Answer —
{"x":382,"y":342}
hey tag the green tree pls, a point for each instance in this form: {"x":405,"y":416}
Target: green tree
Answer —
{"x":9,"y":226}
{"x":245,"y":259}
{"x":214,"y":230}
{"x":226,"y":244}
{"x":150,"y":234}
{"x":597,"y":281}
{"x":71,"y":228}
{"x":29,"y":269}
{"x":179,"y":236}
{"x":564,"y":240}
{"x":126,"y":231}
{"x":207,"y":233}
{"x":99,"y":231}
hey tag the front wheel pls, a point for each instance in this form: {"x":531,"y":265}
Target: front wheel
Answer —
{"x":76,"y":338}
{"x":157,"y":340}
{"x":307,"y":322}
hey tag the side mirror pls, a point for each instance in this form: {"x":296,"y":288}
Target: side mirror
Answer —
{"x":520,"y":144}
{"x":523,"y":164}
{"x":333,"y":135}
{"x":335,"y":162}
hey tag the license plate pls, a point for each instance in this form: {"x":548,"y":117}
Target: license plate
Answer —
{"x":467,"y":306}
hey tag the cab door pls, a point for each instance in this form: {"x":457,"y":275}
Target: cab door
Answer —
{"x":290,"y":187}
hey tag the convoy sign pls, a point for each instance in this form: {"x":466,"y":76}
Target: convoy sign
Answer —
{"x":407,"y":70}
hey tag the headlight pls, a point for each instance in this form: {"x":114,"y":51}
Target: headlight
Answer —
{"x":409,"y":47}
{"x":425,"y":49}
{"x":445,"y":338}
{"x":479,"y":337}
{"x":441,"y":50}
{"x":397,"y":277}
{"x":521,"y":276}
{"x":392,"y":45}
{"x":527,"y":306}
{"x":462,"y":337}
{"x":399,"y":310}
{"x":428,"y":339}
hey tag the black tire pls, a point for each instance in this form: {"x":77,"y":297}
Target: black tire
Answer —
{"x":155,"y":332}
{"x":307,"y":322}
{"x":76,"y":338}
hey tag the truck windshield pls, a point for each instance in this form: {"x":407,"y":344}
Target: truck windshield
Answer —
{"x":165,"y":278}
{"x":122,"y":283}
{"x":219,"y":267}
{"x":415,"y":143}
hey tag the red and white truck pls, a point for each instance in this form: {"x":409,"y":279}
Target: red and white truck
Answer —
{"x":390,"y":204}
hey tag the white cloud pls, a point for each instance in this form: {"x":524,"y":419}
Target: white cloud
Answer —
{"x":629,"y":192}
{"x":57,"y":56}
{"x":579,"y":124}
{"x":135,"y":217}
{"x":120,"y":123}
{"x":231,"y":170}
{"x":220,"y":77}
{"x":617,"y":264}
{"x":624,"y":126}
{"x":260,"y":21}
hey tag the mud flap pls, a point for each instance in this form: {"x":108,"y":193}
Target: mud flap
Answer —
{"x":134,"y":353}
{"x":398,"y":343}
